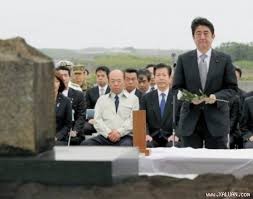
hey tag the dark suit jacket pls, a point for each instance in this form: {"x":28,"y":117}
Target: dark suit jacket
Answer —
{"x":92,"y":96}
{"x":63,"y":113}
{"x":221,"y":81}
{"x":156,"y":124}
{"x":79,"y":106}
{"x":139,"y":94}
{"x":246,"y":125}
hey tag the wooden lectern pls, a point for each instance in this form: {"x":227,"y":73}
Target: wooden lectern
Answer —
{"x":139,"y":131}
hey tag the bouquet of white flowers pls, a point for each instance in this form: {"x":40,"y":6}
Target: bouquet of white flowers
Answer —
{"x":187,"y":96}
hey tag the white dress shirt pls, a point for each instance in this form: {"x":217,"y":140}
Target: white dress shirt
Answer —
{"x":166,"y":92}
{"x":207,"y":59}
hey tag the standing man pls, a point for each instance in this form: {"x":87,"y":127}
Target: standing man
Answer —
{"x":113,"y":114}
{"x":205,"y":121}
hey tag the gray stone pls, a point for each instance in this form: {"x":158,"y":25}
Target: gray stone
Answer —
{"x":72,"y":166}
{"x":27,"y":124}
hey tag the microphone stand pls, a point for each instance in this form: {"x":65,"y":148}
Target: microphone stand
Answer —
{"x":174,"y":120}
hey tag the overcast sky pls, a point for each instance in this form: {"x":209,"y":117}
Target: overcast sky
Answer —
{"x":160,"y":24}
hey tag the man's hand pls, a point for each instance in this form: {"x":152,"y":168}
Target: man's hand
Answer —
{"x":72,"y":133}
{"x":114,"y":136}
{"x":251,"y":139}
{"x":148,"y":138}
{"x":211,"y":99}
{"x":197,"y":101}
{"x":170,"y":139}
{"x":91,"y":121}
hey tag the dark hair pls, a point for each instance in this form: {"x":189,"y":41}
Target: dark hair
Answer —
{"x":150,"y":65}
{"x":161,"y":65}
{"x":62,"y":85}
{"x":144,"y":72}
{"x":199,"y":21}
{"x":87,"y":71}
{"x":64,"y":68}
{"x":130,"y":70}
{"x":239,"y":71}
{"x":104,"y":69}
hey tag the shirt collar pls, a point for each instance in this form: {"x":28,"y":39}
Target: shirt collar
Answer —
{"x":132,"y":92}
{"x":166,"y":92}
{"x":105,"y":87}
{"x":123,"y":93}
{"x":208,"y":53}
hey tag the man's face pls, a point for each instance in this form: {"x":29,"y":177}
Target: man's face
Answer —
{"x":101,"y":78}
{"x":203,"y":38}
{"x":143,"y":83}
{"x":162,"y":78}
{"x":116,"y":82}
{"x":237,"y":74}
{"x":130,"y":81}
{"x":78,"y":77}
{"x":65,"y":77}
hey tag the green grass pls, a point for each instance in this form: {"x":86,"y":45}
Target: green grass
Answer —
{"x":247,"y":69}
{"x":123,"y":61}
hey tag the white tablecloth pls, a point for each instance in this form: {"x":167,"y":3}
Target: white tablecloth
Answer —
{"x":188,"y":162}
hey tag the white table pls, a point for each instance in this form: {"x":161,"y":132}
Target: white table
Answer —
{"x":188,"y":162}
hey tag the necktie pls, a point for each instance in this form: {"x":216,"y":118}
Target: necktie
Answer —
{"x":101,"y":91}
{"x":162,"y":104}
{"x":203,"y":70}
{"x":116,"y":102}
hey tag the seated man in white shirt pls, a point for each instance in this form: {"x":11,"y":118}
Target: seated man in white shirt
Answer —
{"x":113,"y":114}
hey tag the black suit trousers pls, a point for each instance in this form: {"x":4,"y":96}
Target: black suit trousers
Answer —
{"x":201,"y":137}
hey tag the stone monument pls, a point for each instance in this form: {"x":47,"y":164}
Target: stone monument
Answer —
{"x":27,"y":115}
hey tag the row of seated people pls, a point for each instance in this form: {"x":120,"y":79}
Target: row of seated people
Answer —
{"x":114,"y":122}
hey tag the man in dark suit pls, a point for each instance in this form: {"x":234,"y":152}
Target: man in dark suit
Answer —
{"x":236,"y":107}
{"x":92,"y":95}
{"x":102,"y":87}
{"x":205,"y":121}
{"x":159,"y":110}
{"x":131,"y":82}
{"x":144,"y":78}
{"x":246,"y":125}
{"x":78,"y":106}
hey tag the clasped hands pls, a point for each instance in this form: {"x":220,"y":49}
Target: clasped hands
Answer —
{"x":114,"y":135}
{"x":170,"y":139}
{"x":208,"y":100}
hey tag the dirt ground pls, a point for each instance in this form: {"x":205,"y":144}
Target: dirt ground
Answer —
{"x":142,"y":187}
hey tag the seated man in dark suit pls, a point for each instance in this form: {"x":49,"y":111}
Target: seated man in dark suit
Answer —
{"x":159,"y":110}
{"x":78,"y":106}
{"x":131,"y":82}
{"x":93,"y":94}
{"x":246,"y":124}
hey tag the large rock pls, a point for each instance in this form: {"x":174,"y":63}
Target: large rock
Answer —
{"x":27,"y":118}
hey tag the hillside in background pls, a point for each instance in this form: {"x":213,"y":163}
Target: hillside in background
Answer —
{"x":113,"y":57}
{"x":241,"y":54}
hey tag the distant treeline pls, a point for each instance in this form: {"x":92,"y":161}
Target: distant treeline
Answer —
{"x":237,"y":51}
